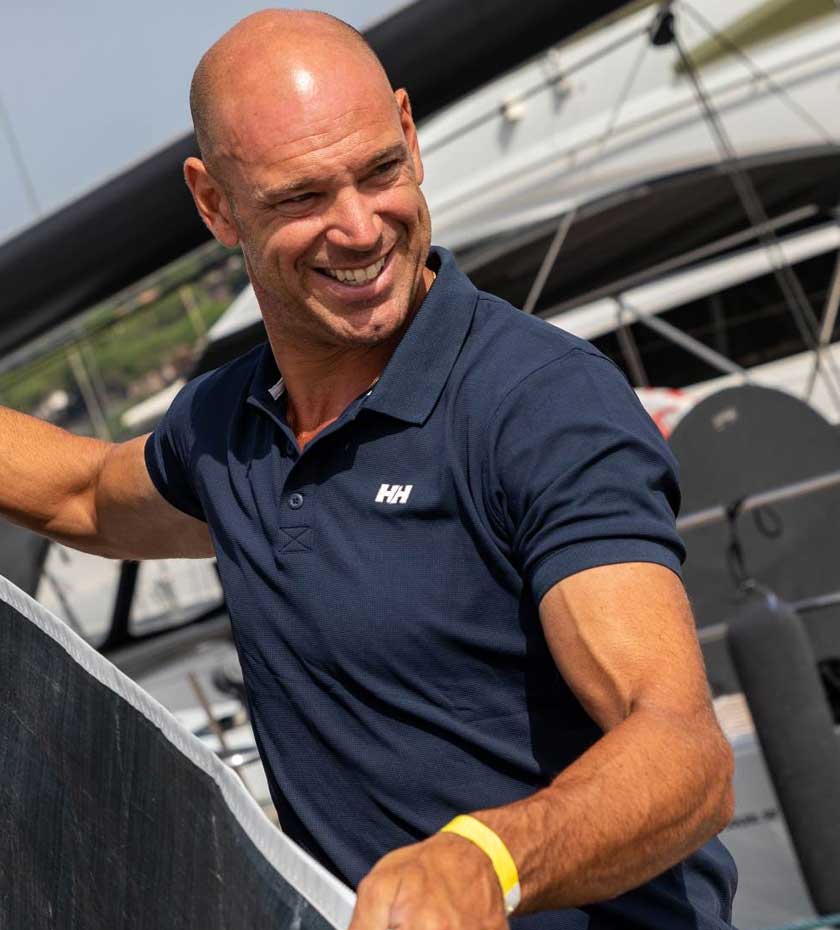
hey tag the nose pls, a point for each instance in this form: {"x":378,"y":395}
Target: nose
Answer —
{"x":353,"y":222}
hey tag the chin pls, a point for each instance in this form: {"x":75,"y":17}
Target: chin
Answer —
{"x":373,"y":325}
{"x":368,"y":335}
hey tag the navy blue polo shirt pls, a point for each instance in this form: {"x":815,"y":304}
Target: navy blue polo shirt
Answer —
{"x":383,"y":584}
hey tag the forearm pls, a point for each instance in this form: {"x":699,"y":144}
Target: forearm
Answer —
{"x":650,"y":791}
{"x":48,"y":476}
{"x":647,"y":794}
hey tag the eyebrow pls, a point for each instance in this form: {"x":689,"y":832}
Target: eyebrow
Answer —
{"x":275,"y":194}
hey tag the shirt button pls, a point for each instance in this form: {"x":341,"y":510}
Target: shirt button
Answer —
{"x":296,"y":501}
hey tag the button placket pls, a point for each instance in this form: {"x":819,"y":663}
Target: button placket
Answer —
{"x":294,"y":514}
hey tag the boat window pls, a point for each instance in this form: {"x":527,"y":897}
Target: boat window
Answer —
{"x":171,"y":592}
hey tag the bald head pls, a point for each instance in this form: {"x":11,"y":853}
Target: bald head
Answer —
{"x":274,"y":47}
{"x":311,"y":166}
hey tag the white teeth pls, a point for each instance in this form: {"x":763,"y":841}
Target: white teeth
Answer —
{"x":356,"y":276}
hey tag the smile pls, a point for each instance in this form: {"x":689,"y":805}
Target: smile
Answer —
{"x":356,"y":276}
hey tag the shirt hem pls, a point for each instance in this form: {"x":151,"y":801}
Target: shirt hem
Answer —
{"x":159,"y":481}
{"x":577,"y":558}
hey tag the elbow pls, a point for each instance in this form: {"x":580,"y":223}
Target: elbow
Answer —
{"x":74,"y":523}
{"x":721,"y":794}
{"x":727,"y":806}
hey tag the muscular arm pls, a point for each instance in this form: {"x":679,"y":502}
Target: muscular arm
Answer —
{"x":658,"y":784}
{"x":654,"y":788}
{"x":88,"y":494}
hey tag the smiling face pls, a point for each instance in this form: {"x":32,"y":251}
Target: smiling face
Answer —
{"x":316,"y":174}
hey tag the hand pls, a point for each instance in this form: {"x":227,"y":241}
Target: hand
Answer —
{"x":444,"y":883}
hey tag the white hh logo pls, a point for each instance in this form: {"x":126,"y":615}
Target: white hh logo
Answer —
{"x":393,"y":493}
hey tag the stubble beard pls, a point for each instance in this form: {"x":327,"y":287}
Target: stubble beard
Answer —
{"x":294,"y":321}
{"x":289,"y":318}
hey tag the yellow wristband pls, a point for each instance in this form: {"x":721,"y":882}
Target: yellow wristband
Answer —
{"x":492,"y":846}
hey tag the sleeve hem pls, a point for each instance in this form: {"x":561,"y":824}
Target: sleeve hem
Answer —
{"x":579,"y":557}
{"x":161,"y":486}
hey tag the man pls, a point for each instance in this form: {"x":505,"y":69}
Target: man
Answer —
{"x":445,"y":532}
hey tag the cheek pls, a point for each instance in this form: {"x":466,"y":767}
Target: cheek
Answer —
{"x":403,"y":202}
{"x":286,"y":246}
{"x":291,"y":242}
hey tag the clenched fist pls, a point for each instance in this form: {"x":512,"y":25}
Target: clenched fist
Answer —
{"x":442,"y":883}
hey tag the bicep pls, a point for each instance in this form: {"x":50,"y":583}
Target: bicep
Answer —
{"x":133,"y":520}
{"x":623,"y":638}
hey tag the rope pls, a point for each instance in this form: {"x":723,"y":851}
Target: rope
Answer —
{"x":20,"y":161}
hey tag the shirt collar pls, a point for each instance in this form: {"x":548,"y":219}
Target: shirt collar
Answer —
{"x":416,"y":373}
{"x":266,"y":383}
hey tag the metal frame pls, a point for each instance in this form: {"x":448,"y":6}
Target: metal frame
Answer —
{"x":684,"y":341}
{"x":119,"y":633}
{"x":723,"y":513}
{"x":710,"y":250}
{"x":816,"y":336}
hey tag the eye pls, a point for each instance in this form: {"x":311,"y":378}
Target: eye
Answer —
{"x":298,"y":199}
{"x":386,"y":168}
{"x":298,"y":205}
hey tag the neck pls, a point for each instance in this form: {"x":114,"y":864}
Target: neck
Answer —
{"x":320,"y":386}
{"x":322,"y":381}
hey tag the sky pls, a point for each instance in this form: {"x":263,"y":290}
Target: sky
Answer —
{"x":91,"y":86}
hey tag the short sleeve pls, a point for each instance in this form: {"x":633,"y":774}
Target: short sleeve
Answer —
{"x":579,"y":475}
{"x":168,"y":453}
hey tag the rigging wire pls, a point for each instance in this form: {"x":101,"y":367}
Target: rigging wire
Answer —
{"x":795,"y":297}
{"x":630,"y":349}
{"x":550,"y":257}
{"x":832,"y":305}
{"x":834,"y":297}
{"x":20,"y":162}
{"x":529,"y":92}
{"x":568,"y":218}
{"x":731,"y":46}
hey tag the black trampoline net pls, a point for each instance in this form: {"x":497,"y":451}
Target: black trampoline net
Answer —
{"x":112,"y":817}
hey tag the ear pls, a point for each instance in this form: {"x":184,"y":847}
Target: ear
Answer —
{"x":410,"y":131}
{"x":211,"y":202}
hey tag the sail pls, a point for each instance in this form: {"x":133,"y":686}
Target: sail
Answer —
{"x":112,"y":815}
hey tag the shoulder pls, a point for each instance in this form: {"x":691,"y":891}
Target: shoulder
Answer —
{"x":208,"y":399}
{"x":238,"y":373}
{"x":523,"y":379}
{"x":508,"y":352}
{"x":228,"y":381}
